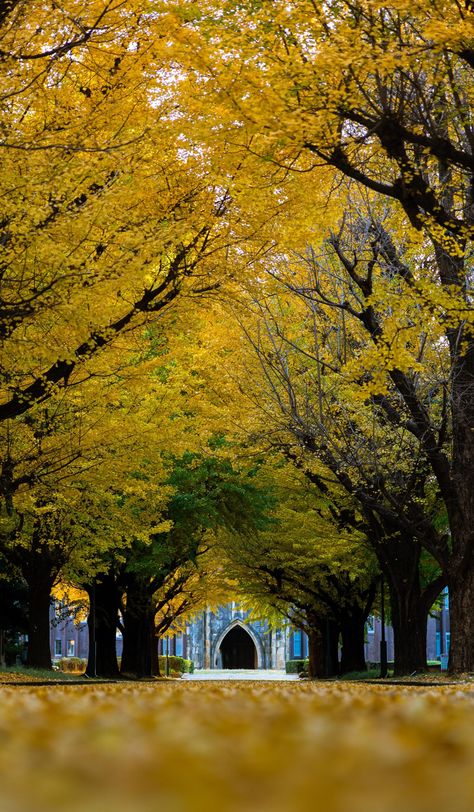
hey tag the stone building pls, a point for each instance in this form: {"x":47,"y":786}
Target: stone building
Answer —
{"x":229,"y":638}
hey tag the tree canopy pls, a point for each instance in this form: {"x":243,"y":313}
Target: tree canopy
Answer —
{"x":246,"y":224}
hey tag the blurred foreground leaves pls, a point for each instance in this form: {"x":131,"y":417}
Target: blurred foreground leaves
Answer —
{"x":237,"y":746}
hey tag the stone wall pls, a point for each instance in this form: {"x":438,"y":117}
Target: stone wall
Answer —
{"x":208,"y":632}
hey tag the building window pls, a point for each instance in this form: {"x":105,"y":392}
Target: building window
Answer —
{"x":446,"y":598}
{"x":370,"y":625}
{"x":58,"y":648}
{"x":448,"y":641}
{"x":179,"y":645}
{"x":297,"y":643}
{"x":71,"y":645}
{"x":438,"y":644}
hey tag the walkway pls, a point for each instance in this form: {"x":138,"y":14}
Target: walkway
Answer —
{"x":240,"y":674}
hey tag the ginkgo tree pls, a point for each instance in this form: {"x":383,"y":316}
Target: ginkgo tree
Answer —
{"x":319,"y":381}
{"x":111,"y":213}
{"x":110,"y":217}
{"x":290,"y":376}
{"x":381,"y":95}
{"x":154,"y":156}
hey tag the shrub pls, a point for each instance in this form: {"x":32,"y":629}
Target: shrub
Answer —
{"x":177,"y":665}
{"x":13,"y":652}
{"x":296,"y":666}
{"x":71,"y":664}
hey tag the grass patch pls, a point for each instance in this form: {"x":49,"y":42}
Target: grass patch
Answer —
{"x":371,"y":673}
{"x":19,"y":673}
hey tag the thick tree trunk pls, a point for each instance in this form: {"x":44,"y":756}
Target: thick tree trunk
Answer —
{"x":331,"y":637}
{"x":104,"y":599}
{"x":39,"y":602}
{"x":353,"y":640}
{"x":461,"y":617}
{"x":139,"y":640}
{"x":461,"y":568}
{"x":409,"y":618}
{"x":400,"y":561}
{"x":323,"y":640}
{"x":315,"y":654}
{"x":40,"y":565}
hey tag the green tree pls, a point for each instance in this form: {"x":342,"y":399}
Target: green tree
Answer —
{"x":311,"y":568}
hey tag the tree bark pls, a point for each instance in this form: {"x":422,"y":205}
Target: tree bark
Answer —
{"x":331,"y":638}
{"x":409,"y":602}
{"x":139,"y":639}
{"x":461,"y":615}
{"x":409,"y":619}
{"x":40,"y":565}
{"x":323,"y":640}
{"x":39,"y":602}
{"x":353,"y":640}
{"x":461,"y":567}
{"x":104,"y":599}
{"x":315,"y":654}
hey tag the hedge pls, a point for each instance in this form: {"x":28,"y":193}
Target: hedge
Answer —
{"x":176,"y":665}
{"x":296,"y":666}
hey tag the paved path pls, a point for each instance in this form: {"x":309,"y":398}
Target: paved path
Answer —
{"x":241,"y":674}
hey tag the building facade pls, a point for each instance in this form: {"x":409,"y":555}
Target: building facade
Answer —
{"x":228,"y":637}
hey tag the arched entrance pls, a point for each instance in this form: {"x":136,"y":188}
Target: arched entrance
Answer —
{"x":238,"y":649}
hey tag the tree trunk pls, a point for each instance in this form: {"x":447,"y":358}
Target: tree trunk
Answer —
{"x":323,"y":640}
{"x":139,"y":639}
{"x":461,"y":569}
{"x":39,"y":602}
{"x":409,"y":618}
{"x":331,"y":648}
{"x":40,"y":565}
{"x":399,"y":559}
{"x":461,"y":619}
{"x":104,"y":600}
{"x":353,"y":640}
{"x":315,"y":654}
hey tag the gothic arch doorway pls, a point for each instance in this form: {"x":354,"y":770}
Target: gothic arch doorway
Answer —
{"x":238,"y":650}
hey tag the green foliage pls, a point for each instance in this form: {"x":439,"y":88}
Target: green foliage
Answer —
{"x":211,"y":493}
{"x":176,"y":665}
{"x":208,"y":493}
{"x":370,"y":673}
{"x":296,"y":666}
{"x":13,"y":650}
